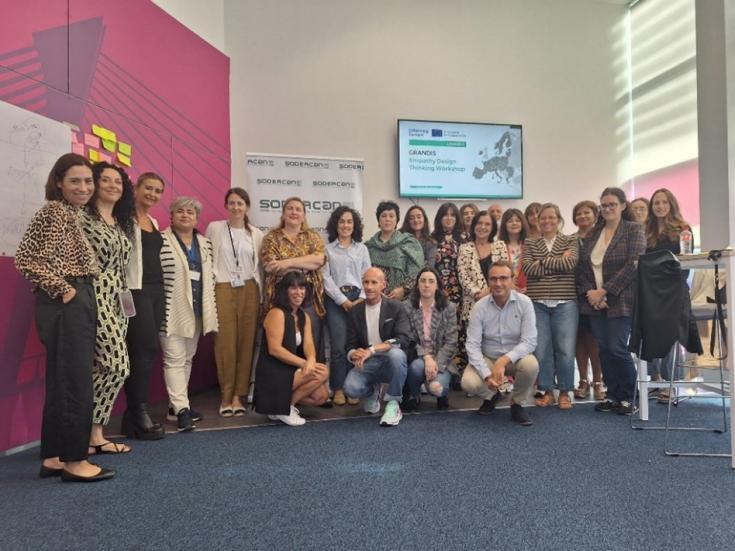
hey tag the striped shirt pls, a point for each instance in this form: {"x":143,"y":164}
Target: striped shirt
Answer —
{"x":550,"y":274}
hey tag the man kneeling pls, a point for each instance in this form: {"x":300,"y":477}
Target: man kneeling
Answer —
{"x":501,"y":337}
{"x":377,"y":335}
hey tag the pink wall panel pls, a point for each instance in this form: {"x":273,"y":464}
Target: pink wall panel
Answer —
{"x":138,"y":72}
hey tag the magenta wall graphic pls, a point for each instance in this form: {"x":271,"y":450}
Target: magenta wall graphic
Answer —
{"x":130,"y":68}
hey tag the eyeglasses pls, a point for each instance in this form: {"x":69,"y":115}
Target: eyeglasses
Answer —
{"x":609,"y":206}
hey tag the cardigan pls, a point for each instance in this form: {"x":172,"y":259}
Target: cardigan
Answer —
{"x":180,"y":319}
{"x":215,"y":232}
{"x":618,"y":269}
{"x":550,"y":275}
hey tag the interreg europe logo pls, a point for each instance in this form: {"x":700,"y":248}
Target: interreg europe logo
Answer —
{"x":437,"y":132}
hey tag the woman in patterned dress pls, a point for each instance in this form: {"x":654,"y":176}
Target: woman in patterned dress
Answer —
{"x":447,"y":234}
{"x":294,"y":246}
{"x":108,"y":225}
{"x":56,"y":257}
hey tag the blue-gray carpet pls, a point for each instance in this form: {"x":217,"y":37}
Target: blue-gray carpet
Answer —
{"x":575,"y":480}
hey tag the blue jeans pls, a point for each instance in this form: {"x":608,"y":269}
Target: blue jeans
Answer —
{"x":555,"y":348}
{"x":417,"y":376}
{"x":385,"y":367}
{"x":337,"y":324}
{"x":618,"y":370}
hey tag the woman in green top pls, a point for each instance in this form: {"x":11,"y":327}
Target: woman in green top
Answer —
{"x":398,"y":254}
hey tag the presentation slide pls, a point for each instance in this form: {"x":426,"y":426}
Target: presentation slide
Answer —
{"x":460,"y":160}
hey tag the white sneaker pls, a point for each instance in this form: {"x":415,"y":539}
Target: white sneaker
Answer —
{"x":392,"y":414}
{"x":372,"y":405}
{"x":293,"y":419}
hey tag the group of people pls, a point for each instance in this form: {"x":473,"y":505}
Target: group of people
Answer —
{"x":495,"y":302}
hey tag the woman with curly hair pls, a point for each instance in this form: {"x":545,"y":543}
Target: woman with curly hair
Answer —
{"x":347,"y":259}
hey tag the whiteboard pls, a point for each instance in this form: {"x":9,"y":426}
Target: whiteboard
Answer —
{"x":29,"y":146}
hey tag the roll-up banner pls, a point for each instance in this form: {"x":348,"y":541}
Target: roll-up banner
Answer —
{"x":323,"y":183}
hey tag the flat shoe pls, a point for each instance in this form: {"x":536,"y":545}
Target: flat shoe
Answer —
{"x":48,"y":472}
{"x":239,"y":411}
{"x":104,"y":474}
{"x":116,"y":448}
{"x":226,"y":411}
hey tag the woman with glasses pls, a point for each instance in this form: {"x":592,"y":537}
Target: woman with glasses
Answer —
{"x":605,"y":281}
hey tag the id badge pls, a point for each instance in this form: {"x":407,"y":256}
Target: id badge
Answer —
{"x":195,"y":276}
{"x":237,"y":280}
{"x":127,"y":305}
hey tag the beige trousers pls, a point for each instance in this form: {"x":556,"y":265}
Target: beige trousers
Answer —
{"x":524,"y":371}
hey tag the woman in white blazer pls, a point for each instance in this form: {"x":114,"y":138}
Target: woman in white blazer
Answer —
{"x":191,"y":311}
{"x":238,"y":292}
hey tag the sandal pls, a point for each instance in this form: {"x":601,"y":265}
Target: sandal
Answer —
{"x":583,"y":390}
{"x":99,"y":449}
{"x":599,"y":392}
{"x":226,"y":411}
{"x":239,"y":411}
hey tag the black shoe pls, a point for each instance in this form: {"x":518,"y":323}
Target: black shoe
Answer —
{"x":48,"y":472}
{"x":488,"y":406}
{"x":328,"y":404}
{"x":104,"y":474}
{"x":412,"y":404}
{"x":184,"y":421}
{"x":136,"y":423}
{"x":195,"y":415}
{"x":442,"y":402}
{"x":626,"y":408}
{"x":518,"y":415}
{"x":607,"y":406}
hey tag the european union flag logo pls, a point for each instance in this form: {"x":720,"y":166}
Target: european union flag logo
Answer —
{"x":437,"y":132}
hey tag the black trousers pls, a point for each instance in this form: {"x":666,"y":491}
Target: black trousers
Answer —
{"x":142,"y":338}
{"x":68,"y":333}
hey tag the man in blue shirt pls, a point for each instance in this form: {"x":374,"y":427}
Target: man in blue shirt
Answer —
{"x":501,"y":338}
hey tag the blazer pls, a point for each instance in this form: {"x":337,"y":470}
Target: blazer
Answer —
{"x":134,"y":267}
{"x":393,"y":325}
{"x":216,"y":230}
{"x":443,"y":333}
{"x":180,"y":319}
{"x":618,"y":269}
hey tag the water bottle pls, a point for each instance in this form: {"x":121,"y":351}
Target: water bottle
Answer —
{"x":686,"y":244}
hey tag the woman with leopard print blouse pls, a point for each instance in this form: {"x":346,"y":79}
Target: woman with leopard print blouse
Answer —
{"x":57,"y":258}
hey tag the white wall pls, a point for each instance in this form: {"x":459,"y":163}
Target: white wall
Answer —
{"x":330,"y":77}
{"x":205,"y":17}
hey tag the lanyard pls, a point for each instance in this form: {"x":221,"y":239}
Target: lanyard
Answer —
{"x":234,"y":253}
{"x":191,"y":253}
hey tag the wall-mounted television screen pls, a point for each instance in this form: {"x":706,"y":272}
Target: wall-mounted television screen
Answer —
{"x":460,"y":160}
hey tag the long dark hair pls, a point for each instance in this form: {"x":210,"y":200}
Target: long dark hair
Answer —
{"x":425,"y":233}
{"x":291,"y":279}
{"x":673,"y":223}
{"x":620,"y":195}
{"x":333,"y":222}
{"x":440,"y":299}
{"x":439,"y":234}
{"x":503,"y":231}
{"x":124,"y":209}
{"x":59,"y":170}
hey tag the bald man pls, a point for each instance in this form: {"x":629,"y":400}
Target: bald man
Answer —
{"x":377,"y":338}
{"x":496,"y":211}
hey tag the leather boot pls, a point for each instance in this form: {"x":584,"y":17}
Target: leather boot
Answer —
{"x":136,"y":423}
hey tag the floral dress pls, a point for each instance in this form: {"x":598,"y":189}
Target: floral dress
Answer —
{"x":447,"y":253}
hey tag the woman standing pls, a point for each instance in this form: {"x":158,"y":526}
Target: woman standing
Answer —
{"x":662,"y":233}
{"x":347,"y":259}
{"x":288,"y":371}
{"x":416,"y":223}
{"x":639,"y":210}
{"x":144,"y":277}
{"x":605,"y":289}
{"x":467,"y":212}
{"x":475,"y":258}
{"x":549,"y":263}
{"x":531,"y":217}
{"x":399,"y":255}
{"x":433,"y":323}
{"x":511,"y":236}
{"x":236,"y":244}
{"x":295,"y":246}
{"x":447,"y":235}
{"x":585,"y":215}
{"x":56,"y":257}
{"x":191,"y":310}
{"x":108,"y":225}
